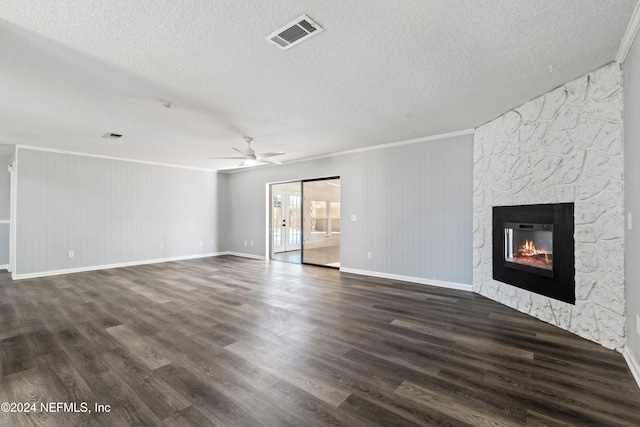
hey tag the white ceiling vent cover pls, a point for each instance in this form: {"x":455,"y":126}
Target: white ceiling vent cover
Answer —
{"x":294,"y":32}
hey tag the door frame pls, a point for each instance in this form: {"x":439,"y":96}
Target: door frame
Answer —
{"x":13,"y":214}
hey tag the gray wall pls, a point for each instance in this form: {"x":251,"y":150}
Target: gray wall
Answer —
{"x":113,"y":212}
{"x":413,"y":207}
{"x":5,"y":187}
{"x":5,"y":191}
{"x":632,"y":193}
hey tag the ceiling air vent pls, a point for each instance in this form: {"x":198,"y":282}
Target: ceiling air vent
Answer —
{"x":294,"y":32}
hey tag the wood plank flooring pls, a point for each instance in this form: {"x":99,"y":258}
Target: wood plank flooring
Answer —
{"x":237,"y":342}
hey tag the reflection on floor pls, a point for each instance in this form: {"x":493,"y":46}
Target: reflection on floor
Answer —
{"x":291,"y":256}
{"x":328,"y":256}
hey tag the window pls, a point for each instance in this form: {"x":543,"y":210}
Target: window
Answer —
{"x":319,"y":217}
{"x":325,"y":221}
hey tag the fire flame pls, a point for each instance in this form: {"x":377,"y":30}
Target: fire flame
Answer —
{"x":529,"y":255}
{"x":529,"y":249}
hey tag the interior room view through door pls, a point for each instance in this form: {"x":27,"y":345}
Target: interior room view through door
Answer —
{"x":321,"y":222}
{"x":305,"y":222}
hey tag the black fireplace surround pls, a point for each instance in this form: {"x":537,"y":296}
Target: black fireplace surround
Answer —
{"x":534,"y":266}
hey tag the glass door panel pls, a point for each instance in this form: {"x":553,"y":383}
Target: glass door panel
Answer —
{"x":321,"y":226}
{"x":276,"y":222}
{"x":294,"y":223}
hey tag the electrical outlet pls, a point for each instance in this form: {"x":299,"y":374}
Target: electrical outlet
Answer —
{"x":252,"y":243}
{"x":245,"y":243}
{"x":369,"y":255}
{"x":354,"y":217}
{"x":201,"y":243}
{"x":71,"y":254}
{"x":161,"y":246}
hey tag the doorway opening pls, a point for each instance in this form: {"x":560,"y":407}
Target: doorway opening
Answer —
{"x":286,"y":222}
{"x":321,"y":222}
{"x":305,"y":222}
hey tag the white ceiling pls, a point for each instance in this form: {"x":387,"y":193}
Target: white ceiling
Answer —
{"x":382,"y":71}
{"x":5,"y":150}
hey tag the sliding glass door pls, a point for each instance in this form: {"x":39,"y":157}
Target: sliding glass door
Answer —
{"x":321,"y":222}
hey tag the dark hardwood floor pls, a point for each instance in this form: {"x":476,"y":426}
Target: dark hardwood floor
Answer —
{"x":237,"y":342}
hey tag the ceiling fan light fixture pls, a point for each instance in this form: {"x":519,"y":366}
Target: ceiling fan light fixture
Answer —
{"x":249,"y":157}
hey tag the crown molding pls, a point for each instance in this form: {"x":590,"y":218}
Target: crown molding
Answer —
{"x":99,"y":156}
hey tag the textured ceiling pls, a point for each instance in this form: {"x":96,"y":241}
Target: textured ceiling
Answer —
{"x":382,"y":71}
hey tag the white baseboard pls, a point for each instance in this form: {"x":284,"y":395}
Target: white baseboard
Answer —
{"x":240,"y":254}
{"x":107,"y":266}
{"x":4,"y":267}
{"x":420,"y":280}
{"x":634,"y":367}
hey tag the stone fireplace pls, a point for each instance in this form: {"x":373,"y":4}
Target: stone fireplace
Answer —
{"x":565,"y":147}
{"x":533,"y":249}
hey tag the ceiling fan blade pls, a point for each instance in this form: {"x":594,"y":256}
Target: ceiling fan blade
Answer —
{"x":250,"y":157}
{"x":262,"y":155}
{"x":273,"y":162}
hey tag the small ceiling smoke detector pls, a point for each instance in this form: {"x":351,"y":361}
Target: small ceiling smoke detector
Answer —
{"x":167,"y":104}
{"x":294,"y":32}
{"x":112,"y":135}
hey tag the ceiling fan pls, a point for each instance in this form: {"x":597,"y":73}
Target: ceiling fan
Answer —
{"x":250,"y":157}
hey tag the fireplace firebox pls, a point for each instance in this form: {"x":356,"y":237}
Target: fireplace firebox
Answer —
{"x":533,"y":248}
{"x":529,"y":247}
